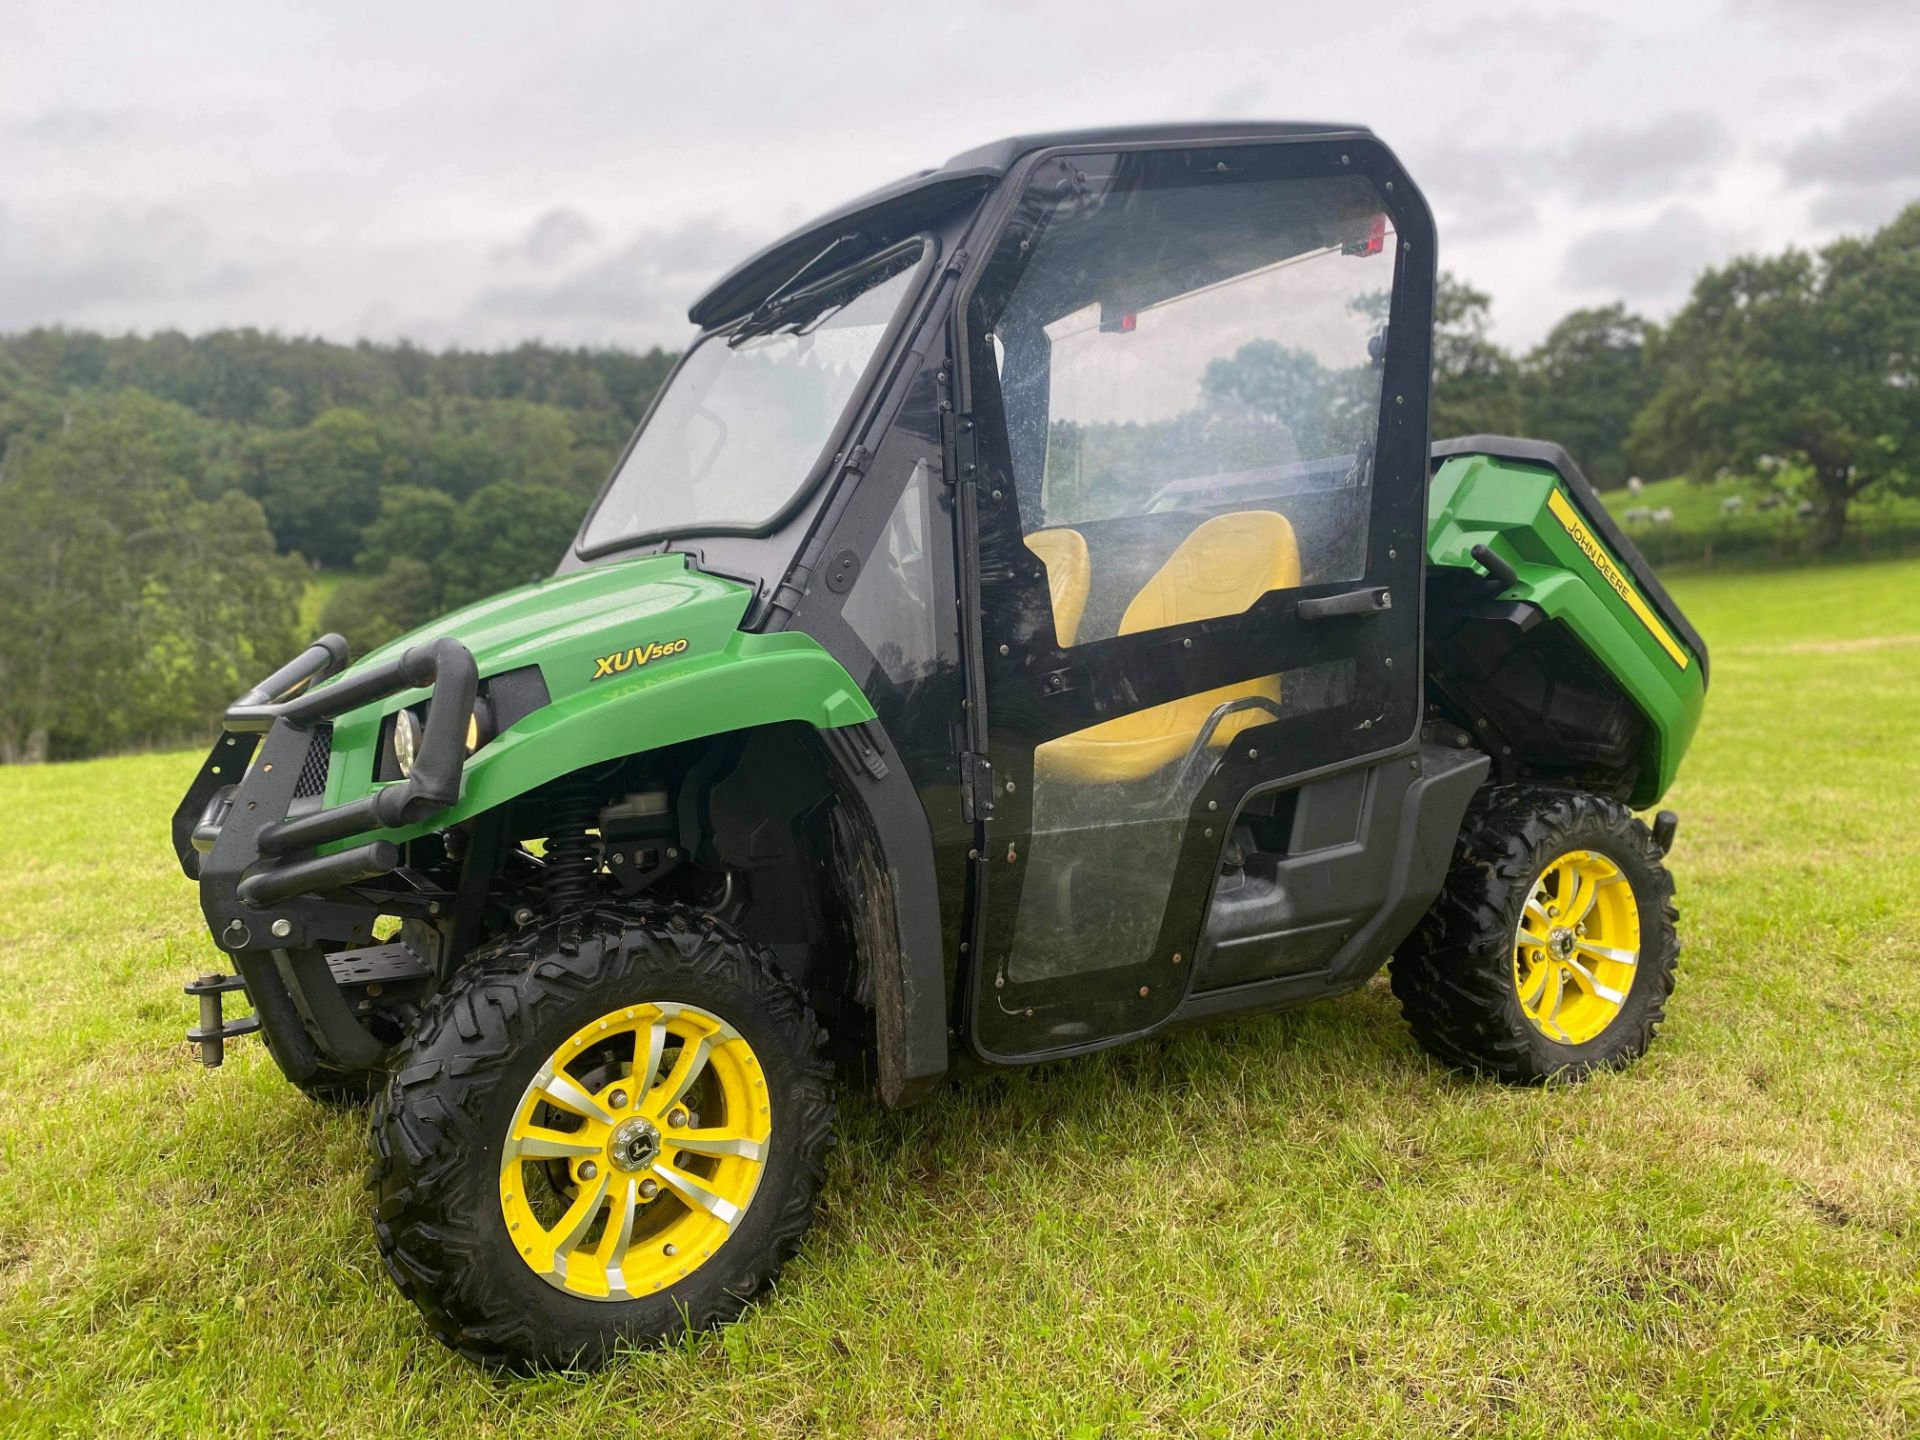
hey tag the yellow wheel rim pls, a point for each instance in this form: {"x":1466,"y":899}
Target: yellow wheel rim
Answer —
{"x":635,"y":1151}
{"x":1577,"y":947}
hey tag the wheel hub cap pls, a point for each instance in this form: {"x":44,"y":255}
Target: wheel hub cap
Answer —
{"x":634,"y":1145}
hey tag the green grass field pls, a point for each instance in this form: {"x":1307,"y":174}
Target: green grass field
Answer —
{"x":1701,"y":532}
{"x":1296,"y":1226}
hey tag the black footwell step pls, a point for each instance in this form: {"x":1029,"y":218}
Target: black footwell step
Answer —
{"x":378,"y":965}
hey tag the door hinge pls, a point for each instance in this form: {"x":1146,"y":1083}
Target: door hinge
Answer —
{"x":857,"y":460}
{"x":958,"y":434}
{"x":976,"y":787}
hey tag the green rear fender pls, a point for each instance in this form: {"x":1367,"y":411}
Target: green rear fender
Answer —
{"x":1512,"y":509}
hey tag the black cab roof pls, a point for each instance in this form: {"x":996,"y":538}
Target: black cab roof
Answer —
{"x":902,"y":207}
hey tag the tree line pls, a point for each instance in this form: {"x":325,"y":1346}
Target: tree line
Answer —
{"x":1800,"y":370}
{"x":166,"y":499}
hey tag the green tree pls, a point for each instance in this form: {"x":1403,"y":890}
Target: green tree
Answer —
{"x":218,"y":611}
{"x":507,"y":534}
{"x":371,"y":610}
{"x":133,"y":611}
{"x":321,"y":484}
{"x":414,"y":523}
{"x":1814,"y":359}
{"x":1476,"y":384}
{"x":1585,"y":383}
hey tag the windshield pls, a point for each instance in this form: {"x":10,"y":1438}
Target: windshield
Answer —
{"x":741,"y":427}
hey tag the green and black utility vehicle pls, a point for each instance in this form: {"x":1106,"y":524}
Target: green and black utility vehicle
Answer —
{"x":1032,"y":617}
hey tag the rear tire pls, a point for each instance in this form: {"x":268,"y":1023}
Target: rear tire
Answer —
{"x":455,"y":1167}
{"x":1466,"y":977}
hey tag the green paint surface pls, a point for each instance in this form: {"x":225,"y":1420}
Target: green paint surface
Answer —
{"x":1502,"y":504}
{"x":724,"y":679}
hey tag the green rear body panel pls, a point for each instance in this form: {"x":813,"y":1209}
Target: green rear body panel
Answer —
{"x":1509,"y":507}
{"x":712,"y":677}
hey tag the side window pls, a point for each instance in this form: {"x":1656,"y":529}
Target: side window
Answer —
{"x":891,"y":604}
{"x":1188,"y":363}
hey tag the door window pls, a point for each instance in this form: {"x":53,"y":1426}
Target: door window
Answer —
{"x":1173,"y":345}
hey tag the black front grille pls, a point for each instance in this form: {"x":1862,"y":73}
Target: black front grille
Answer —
{"x":313,"y":770}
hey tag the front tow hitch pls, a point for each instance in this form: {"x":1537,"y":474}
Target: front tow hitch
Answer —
{"x":210,"y":1036}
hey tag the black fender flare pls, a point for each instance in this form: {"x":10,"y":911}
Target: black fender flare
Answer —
{"x":899,"y":926}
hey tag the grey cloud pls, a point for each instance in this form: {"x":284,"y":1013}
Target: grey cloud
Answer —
{"x":1825,"y":13}
{"x":1872,"y":145}
{"x":1633,"y":162}
{"x":1645,"y":263}
{"x":1479,"y":190}
{"x":638,"y":295}
{"x":1484,"y":189}
{"x":119,"y":260}
{"x":1862,"y":171}
{"x":71,"y":128}
{"x":1568,"y":38}
{"x":1861,"y":207}
{"x":557,"y":235}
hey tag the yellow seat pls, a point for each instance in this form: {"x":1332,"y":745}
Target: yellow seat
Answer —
{"x":1220,"y":569}
{"x":1069,"y":577}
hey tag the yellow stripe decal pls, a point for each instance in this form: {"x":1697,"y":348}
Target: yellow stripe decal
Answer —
{"x":1564,"y":512}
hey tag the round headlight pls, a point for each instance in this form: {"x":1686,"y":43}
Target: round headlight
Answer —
{"x":406,"y":741}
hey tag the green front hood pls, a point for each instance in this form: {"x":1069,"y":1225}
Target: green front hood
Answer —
{"x":566,"y":623}
{"x":635,"y":656}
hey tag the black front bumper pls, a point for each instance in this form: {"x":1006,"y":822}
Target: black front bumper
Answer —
{"x":270,"y":900}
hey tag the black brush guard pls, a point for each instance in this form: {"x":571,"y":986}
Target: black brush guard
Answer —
{"x":264,"y":890}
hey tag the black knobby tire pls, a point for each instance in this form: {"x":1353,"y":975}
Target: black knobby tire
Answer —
{"x":440,"y":1120}
{"x":1454,"y":975}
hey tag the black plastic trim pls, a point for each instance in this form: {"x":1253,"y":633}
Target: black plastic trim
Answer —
{"x":910,"y":977}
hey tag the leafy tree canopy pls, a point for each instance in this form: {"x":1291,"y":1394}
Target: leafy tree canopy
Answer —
{"x":1585,"y":383}
{"x":1476,"y":384}
{"x":133,"y":610}
{"x":1813,"y":359}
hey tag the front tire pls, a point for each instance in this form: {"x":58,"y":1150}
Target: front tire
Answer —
{"x":605,"y":1131}
{"x":1552,"y":947}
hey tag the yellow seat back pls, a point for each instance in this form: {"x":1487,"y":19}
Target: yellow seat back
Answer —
{"x":1220,"y":569}
{"x":1069,"y":577}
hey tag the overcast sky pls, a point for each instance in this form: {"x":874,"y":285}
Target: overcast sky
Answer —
{"x":485,"y":173}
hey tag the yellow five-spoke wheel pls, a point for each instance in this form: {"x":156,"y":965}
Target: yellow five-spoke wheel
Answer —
{"x":602,"y":1132}
{"x":1552,"y":947}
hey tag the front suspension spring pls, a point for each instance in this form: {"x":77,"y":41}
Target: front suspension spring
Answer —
{"x":568,"y":878}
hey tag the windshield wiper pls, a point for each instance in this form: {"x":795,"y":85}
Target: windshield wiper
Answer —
{"x":767,"y":313}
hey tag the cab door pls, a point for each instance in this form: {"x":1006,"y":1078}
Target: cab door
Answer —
{"x":1190,"y":458}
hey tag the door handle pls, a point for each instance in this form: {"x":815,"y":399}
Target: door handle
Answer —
{"x":1370,"y":601}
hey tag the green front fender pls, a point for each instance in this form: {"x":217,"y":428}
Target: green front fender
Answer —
{"x":751,"y":680}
